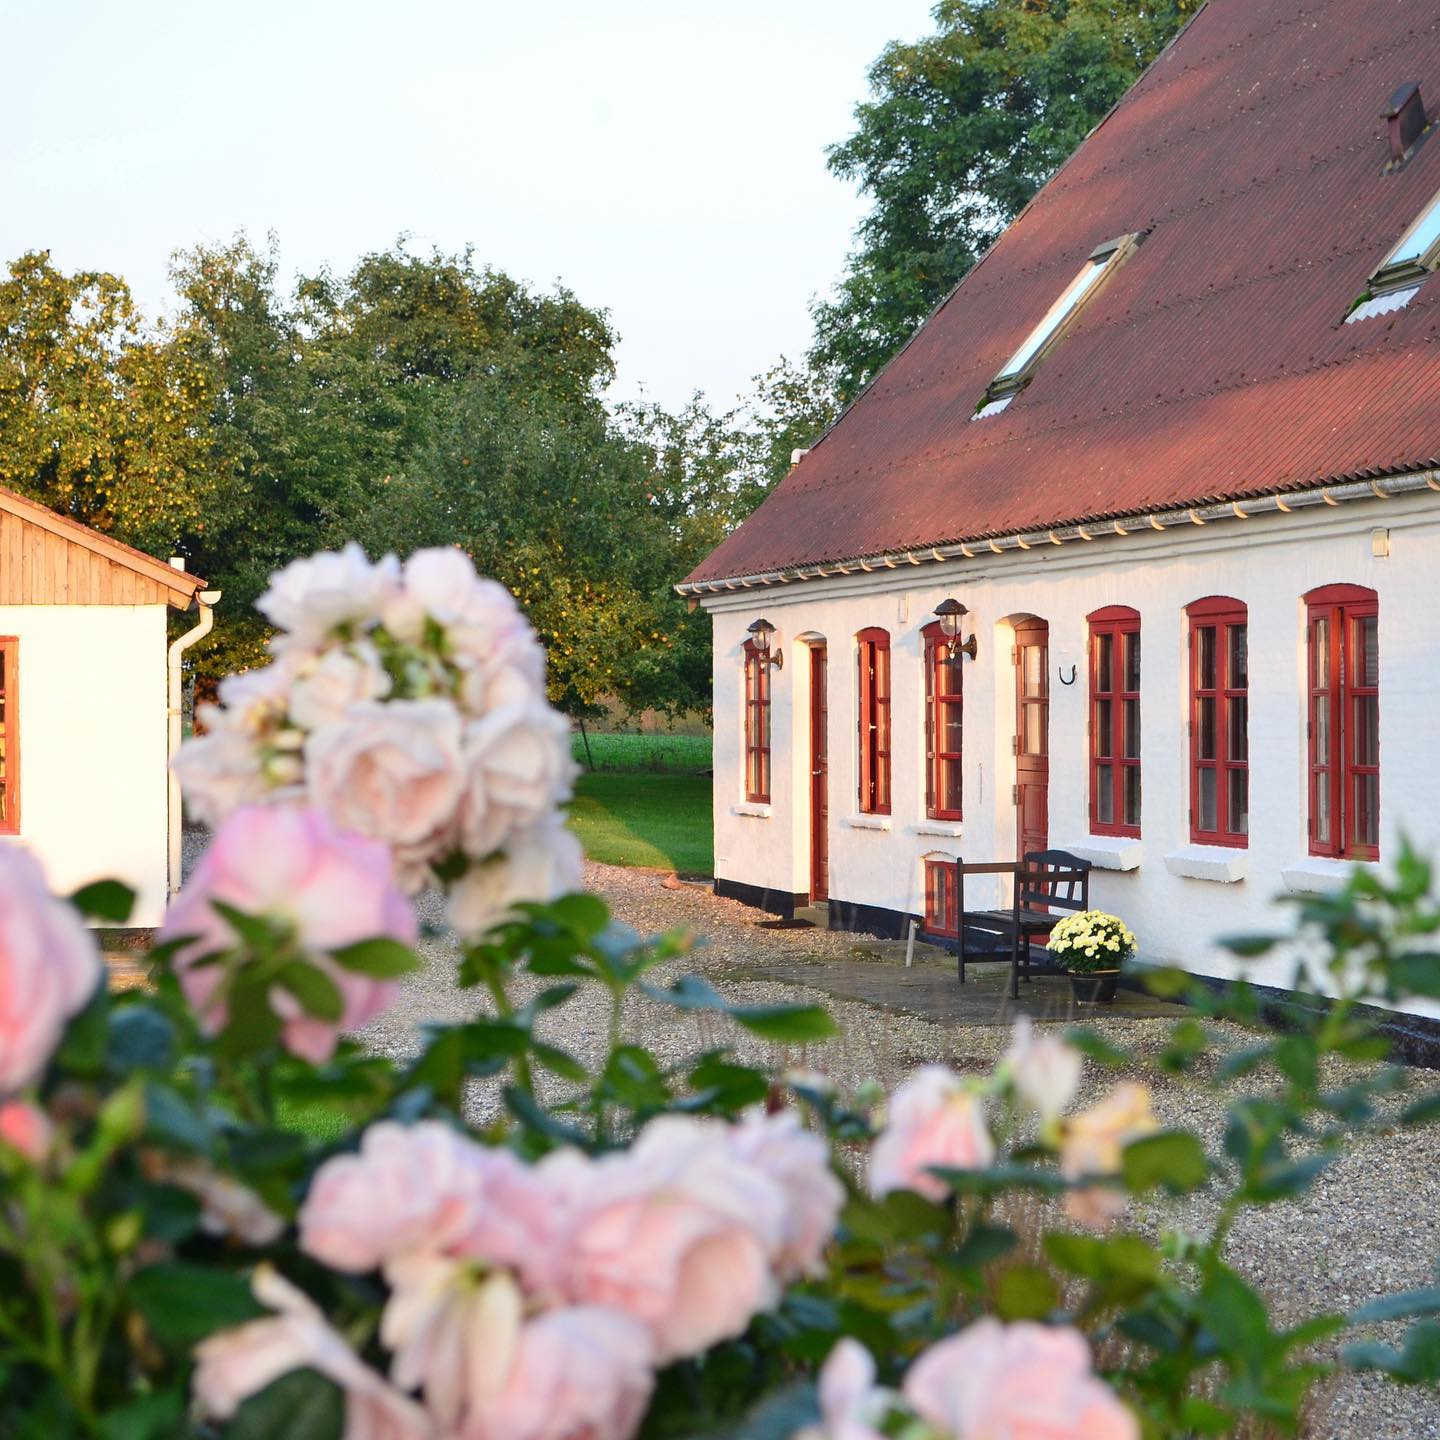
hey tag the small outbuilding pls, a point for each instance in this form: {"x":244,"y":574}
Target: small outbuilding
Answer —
{"x":85,"y":732}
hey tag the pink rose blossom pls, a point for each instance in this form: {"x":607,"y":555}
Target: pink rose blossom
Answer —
{"x":453,"y":1329}
{"x":49,"y":968}
{"x":537,"y":866}
{"x":934,"y":1122}
{"x":391,"y":771}
{"x":1045,"y":1069}
{"x":311,"y":599}
{"x":1093,"y":1143}
{"x":295,"y":867}
{"x":428,"y":1188}
{"x":27,"y":1129}
{"x":1021,"y":1382}
{"x":678,"y":1235}
{"x":581,"y":1373}
{"x":852,"y":1406}
{"x":798,"y":1161}
{"x":236,"y":1364}
{"x":517,"y":770}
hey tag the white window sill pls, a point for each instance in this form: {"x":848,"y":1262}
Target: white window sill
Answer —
{"x":1222,"y":863}
{"x":868,"y":822}
{"x":1108,"y":852}
{"x":1316,"y":875}
{"x":950,"y":829}
{"x":753,"y":809}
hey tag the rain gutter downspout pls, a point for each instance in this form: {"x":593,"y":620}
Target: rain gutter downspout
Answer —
{"x":206,"y":599}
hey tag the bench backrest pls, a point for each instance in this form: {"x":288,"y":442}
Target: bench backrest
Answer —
{"x":1055,"y":879}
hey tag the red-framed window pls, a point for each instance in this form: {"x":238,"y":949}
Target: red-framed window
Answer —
{"x":1343,"y":724}
{"x":944,"y":726}
{"x":1115,"y":720}
{"x":9,"y":735}
{"x":757,"y":725}
{"x":873,"y":675}
{"x":1219,"y":721}
{"x":941,"y":901}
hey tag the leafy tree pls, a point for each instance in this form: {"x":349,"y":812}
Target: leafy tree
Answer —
{"x":323,"y":399}
{"x":539,"y":486}
{"x":100,"y":418}
{"x":961,"y":130}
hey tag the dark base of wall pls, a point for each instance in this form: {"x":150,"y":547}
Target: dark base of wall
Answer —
{"x":773,"y":902}
{"x":1414,"y":1039}
{"x":868,"y":919}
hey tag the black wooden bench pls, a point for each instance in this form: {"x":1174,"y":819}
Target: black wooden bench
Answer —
{"x":1044,"y":882}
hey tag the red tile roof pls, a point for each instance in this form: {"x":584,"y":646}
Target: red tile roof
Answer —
{"x":1213,"y":364}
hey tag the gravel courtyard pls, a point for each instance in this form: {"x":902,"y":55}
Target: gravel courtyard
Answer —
{"x":1370,"y":1225}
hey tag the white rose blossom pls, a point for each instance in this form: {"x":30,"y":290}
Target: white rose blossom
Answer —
{"x":538,"y":866}
{"x":337,"y":679}
{"x":407,"y":703}
{"x":310,"y":600}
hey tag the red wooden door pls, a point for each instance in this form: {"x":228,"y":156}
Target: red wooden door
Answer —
{"x":1032,"y":736}
{"x":819,"y":779}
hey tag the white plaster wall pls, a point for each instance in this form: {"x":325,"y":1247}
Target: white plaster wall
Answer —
{"x":93,"y":745}
{"x":1268,"y":562}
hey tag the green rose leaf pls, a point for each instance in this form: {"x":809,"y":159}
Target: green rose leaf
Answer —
{"x":183,"y":1303}
{"x":106,"y":900}
{"x":317,"y":993}
{"x":1173,"y":1158}
{"x":300,"y":1406}
{"x":1025,"y":1292}
{"x":380,"y":958}
{"x":140,"y":1038}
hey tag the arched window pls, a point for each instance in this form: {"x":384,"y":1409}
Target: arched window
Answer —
{"x":944,"y":723}
{"x":757,"y":725}
{"x":873,"y":681}
{"x":1115,"y":720}
{"x":1219,"y":721}
{"x":1343,"y":723}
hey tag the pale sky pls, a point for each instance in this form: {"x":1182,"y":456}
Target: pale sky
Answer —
{"x":665,"y":160}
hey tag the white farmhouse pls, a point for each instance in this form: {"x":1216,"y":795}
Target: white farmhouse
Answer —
{"x":84,"y":734}
{"x":1172,"y":445}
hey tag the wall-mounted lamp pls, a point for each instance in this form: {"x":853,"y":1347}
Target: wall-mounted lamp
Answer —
{"x":950,"y":613}
{"x":760,"y":632}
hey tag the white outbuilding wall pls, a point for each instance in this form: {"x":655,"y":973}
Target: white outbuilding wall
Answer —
{"x":1268,"y":562}
{"x":92,"y":744}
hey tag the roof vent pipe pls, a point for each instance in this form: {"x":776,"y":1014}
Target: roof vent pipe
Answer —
{"x":1404,"y":119}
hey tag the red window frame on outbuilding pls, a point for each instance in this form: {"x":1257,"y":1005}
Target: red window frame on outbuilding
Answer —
{"x":1342,"y":721}
{"x":1219,"y":721}
{"x":757,"y":725}
{"x":9,"y":735}
{"x":1114,"y":720}
{"x":941,"y":899}
{"x":944,"y":727}
{"x":872,"y":659}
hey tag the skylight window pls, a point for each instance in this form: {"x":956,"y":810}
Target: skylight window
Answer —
{"x":1021,"y":365}
{"x":1398,"y":276}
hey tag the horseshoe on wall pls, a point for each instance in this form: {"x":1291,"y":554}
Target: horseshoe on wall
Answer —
{"x":1061,"y":673}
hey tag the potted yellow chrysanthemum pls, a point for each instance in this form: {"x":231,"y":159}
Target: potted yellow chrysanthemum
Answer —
{"x":1093,"y":947}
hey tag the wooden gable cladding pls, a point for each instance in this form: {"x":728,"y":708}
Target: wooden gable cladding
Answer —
{"x":48,"y":559}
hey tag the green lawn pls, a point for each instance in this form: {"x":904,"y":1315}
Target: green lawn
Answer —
{"x":646,"y":753}
{"x":656,"y":819}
